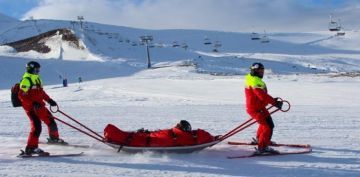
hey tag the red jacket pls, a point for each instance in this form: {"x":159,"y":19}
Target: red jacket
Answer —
{"x":256,"y":94}
{"x":32,"y":92}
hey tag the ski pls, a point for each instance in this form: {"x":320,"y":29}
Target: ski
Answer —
{"x":269,"y":154}
{"x":46,"y":154}
{"x":275,"y":145}
{"x":67,"y":145}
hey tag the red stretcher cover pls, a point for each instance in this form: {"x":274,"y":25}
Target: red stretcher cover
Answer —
{"x":160,"y":138}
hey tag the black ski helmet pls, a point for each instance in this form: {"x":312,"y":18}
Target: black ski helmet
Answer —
{"x":31,"y":66}
{"x":255,"y":68}
{"x":184,"y":125}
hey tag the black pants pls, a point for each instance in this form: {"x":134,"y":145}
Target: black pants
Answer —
{"x":36,"y":128}
{"x":270,"y":122}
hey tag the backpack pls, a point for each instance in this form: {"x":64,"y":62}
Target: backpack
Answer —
{"x":16,"y":102}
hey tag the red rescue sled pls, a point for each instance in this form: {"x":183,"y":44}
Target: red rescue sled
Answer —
{"x":180,"y":139}
{"x":175,"y":140}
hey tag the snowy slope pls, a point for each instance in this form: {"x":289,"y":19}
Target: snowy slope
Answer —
{"x":7,"y":22}
{"x":290,"y":52}
{"x":323,"y":114}
{"x":54,"y":70}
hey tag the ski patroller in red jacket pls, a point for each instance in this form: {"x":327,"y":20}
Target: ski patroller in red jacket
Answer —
{"x":256,"y":94}
{"x":32,"y":92}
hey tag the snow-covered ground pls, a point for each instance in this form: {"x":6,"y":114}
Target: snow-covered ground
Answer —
{"x":314,"y":71}
{"x":324,"y":114}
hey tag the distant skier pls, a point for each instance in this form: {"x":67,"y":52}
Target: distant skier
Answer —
{"x":257,"y":99}
{"x":32,"y":97}
{"x":80,"y":80}
{"x":65,"y":82}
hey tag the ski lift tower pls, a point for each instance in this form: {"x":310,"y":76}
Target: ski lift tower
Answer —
{"x":81,"y":18}
{"x":147,"y":40}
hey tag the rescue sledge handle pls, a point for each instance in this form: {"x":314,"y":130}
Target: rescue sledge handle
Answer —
{"x":252,"y":121}
{"x":55,"y":109}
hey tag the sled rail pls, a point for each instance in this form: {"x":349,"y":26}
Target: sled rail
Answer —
{"x":172,"y":149}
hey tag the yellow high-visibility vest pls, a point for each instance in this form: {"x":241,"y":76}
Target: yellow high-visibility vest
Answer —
{"x":254,"y":82}
{"x":25,"y":84}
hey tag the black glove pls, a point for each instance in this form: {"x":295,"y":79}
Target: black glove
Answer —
{"x":36,"y":105}
{"x":278,"y":103}
{"x":52,"y":102}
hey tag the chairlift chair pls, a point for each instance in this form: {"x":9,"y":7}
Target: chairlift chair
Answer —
{"x":160,"y":45}
{"x":151,"y":45}
{"x":207,"y":41}
{"x":334,"y":26}
{"x":217,"y":44}
{"x":175,"y":44}
{"x":340,"y":33}
{"x":255,"y":36}
{"x":264,"y":38}
{"x":185,"y":46}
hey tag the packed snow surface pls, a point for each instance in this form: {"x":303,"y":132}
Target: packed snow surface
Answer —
{"x":323,"y":114}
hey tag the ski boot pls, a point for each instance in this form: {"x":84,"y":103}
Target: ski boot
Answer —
{"x":271,"y":150}
{"x":57,"y":141}
{"x":266,"y":150}
{"x":255,"y":142}
{"x":33,"y":151}
{"x":258,"y":151}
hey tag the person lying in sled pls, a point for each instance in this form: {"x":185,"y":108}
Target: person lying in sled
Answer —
{"x":257,"y":99}
{"x":180,"y":135}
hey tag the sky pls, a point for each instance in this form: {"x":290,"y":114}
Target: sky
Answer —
{"x":219,"y":15}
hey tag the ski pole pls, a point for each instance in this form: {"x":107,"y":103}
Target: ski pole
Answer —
{"x":58,"y":110}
